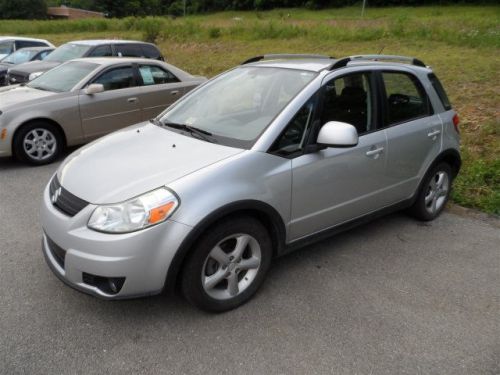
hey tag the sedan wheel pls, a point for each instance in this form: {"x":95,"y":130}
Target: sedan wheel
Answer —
{"x":38,"y":143}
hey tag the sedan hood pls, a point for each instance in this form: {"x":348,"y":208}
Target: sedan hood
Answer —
{"x":34,"y":66}
{"x":22,"y":95}
{"x":135,"y":160}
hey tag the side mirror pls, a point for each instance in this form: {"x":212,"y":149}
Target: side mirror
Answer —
{"x":337,"y":134}
{"x":94,"y":88}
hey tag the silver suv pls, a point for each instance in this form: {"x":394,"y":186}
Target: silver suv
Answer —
{"x":260,"y":160}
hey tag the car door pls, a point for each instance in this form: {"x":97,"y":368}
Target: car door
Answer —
{"x":414,"y":132}
{"x":160,"y":89}
{"x":114,"y":108}
{"x":334,"y":185}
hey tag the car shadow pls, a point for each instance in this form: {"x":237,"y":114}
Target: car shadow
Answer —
{"x":11,"y":163}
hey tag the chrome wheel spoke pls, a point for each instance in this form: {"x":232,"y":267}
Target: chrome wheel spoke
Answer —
{"x":213,"y":280}
{"x":251,"y":263}
{"x":232,"y":285}
{"x":429,"y":197}
{"x":241,"y":245}
{"x":220,"y":256}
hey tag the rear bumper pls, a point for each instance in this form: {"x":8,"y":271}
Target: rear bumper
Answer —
{"x":141,"y":259}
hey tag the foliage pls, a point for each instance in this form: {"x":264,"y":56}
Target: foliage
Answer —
{"x":23,"y":9}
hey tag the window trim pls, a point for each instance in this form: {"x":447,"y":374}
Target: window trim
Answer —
{"x":383,"y":97}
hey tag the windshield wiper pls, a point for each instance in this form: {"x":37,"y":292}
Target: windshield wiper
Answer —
{"x":191,"y":129}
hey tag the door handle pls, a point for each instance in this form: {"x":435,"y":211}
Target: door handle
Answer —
{"x":434,"y":133}
{"x":132,"y":100}
{"x":175,"y":92}
{"x":375,"y":151}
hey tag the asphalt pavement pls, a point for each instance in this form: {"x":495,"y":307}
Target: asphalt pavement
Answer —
{"x":394,"y":296}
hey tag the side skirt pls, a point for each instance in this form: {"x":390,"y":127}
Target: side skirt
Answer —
{"x":326,"y":233}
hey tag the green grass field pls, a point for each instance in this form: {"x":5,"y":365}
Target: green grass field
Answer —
{"x":461,"y":43}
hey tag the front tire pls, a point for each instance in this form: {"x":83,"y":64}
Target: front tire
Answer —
{"x":38,"y":143}
{"x":434,"y":193}
{"x":228,"y":265}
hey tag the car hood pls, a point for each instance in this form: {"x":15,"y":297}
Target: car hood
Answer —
{"x":135,"y":160}
{"x":34,"y":66}
{"x":22,"y":95}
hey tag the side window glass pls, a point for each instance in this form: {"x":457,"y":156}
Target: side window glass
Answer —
{"x":440,"y":91}
{"x":101,"y":51}
{"x":24,"y":43}
{"x":150,"y":51}
{"x":294,"y":138}
{"x":128,"y":50}
{"x":405,"y":98}
{"x":349,"y":99}
{"x":154,"y":75}
{"x":115,"y":79}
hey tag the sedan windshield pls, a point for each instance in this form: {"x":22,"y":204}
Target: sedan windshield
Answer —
{"x":20,"y":56}
{"x":67,"y":52}
{"x":64,"y":77}
{"x":236,"y":107}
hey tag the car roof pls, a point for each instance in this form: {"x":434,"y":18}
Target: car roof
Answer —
{"x":2,"y":38}
{"x":117,"y":60}
{"x":95,"y":42}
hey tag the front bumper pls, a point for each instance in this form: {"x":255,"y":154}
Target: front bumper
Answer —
{"x":142,"y":258}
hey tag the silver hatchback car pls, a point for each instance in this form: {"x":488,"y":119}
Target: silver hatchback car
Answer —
{"x":260,"y":160}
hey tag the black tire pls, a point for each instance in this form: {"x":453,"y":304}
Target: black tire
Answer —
{"x":421,"y":209}
{"x":48,"y":154}
{"x":195,"y":266}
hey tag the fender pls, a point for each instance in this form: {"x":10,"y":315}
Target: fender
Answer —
{"x":263,"y":211}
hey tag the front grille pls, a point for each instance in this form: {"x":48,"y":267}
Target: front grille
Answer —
{"x":65,"y":201}
{"x":57,"y":252}
{"x":14,"y":78}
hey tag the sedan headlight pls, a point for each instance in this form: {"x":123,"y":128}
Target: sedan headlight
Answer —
{"x":135,"y":214}
{"x":34,"y":75}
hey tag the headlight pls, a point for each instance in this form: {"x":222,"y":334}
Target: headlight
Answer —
{"x":135,"y":214}
{"x":34,"y":75}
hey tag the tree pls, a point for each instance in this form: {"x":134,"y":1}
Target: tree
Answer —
{"x":23,"y":9}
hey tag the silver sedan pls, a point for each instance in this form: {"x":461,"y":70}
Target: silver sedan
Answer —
{"x":82,"y":100}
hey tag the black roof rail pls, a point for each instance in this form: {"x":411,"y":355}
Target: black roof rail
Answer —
{"x":285,"y":56}
{"x":343,"y":62}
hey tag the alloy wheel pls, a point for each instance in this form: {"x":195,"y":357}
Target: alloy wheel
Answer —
{"x":40,"y":144}
{"x":437,"y":192}
{"x":231,"y":266}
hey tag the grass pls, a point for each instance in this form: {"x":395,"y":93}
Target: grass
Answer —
{"x":461,"y":43}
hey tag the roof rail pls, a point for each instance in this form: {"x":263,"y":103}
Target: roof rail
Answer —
{"x":285,"y":56}
{"x":343,"y":62}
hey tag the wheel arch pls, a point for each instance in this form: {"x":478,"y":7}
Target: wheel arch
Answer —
{"x":451,"y":157}
{"x":263,"y":212}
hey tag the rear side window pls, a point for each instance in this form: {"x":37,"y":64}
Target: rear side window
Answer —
{"x":117,"y":78}
{"x":151,"y":52}
{"x":154,"y":75}
{"x":28,"y":43}
{"x":128,"y":50}
{"x":406,"y":99}
{"x":101,"y":51}
{"x":440,"y":91}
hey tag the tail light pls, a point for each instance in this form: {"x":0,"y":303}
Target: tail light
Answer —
{"x":456,"y":121}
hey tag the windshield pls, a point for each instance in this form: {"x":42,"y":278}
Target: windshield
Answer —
{"x":20,"y":56}
{"x":6,"y":48}
{"x":67,"y":52}
{"x":64,"y":77}
{"x":237,"y":106}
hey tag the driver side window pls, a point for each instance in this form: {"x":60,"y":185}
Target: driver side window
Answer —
{"x":118,"y":78}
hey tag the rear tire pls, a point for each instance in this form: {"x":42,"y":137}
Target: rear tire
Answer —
{"x":38,"y":143}
{"x":228,"y":265}
{"x":434,"y":193}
